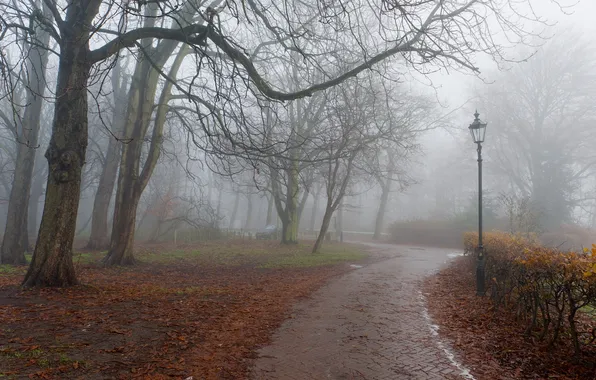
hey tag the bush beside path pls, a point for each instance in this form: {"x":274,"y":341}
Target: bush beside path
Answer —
{"x":537,"y":319}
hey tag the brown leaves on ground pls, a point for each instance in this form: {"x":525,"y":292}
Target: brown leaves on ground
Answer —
{"x":162,"y":319}
{"x":493,"y":344}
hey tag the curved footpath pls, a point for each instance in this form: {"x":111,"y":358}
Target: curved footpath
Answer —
{"x":371,"y":323}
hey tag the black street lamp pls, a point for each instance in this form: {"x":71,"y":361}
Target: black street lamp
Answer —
{"x":478,"y":131}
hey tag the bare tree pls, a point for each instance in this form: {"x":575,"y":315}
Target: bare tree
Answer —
{"x":357,"y":118}
{"x":385,"y":183}
{"x":543,"y":112}
{"x":98,"y":240}
{"x":27,"y":126}
{"x":423,"y":33}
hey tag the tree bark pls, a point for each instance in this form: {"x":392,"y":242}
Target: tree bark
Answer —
{"x":98,"y":240}
{"x":52,"y":264}
{"x":269,"y":220}
{"x":16,"y":237}
{"x":289,"y":219}
{"x":324,"y":228}
{"x":386,"y":189}
{"x":248,"y":212}
{"x":381,"y":211}
{"x":313,"y":214}
{"x":334,"y":183}
{"x":301,"y":205}
{"x":36,"y":193}
{"x":234,"y":210}
{"x":105,"y":189}
{"x":131,"y":179}
{"x":218,"y":208}
{"x":123,"y":231}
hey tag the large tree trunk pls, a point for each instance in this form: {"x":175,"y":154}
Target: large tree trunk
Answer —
{"x":381,"y":211}
{"x":123,"y":231}
{"x":16,"y":238}
{"x":301,"y":205}
{"x":101,"y":204}
{"x":218,"y":208}
{"x":52,"y":264}
{"x":127,"y":198}
{"x":269,"y":220}
{"x":131,"y":180}
{"x":290,"y":217}
{"x":234,"y":211}
{"x":315,"y":207}
{"x":105,"y":189}
{"x":248,"y":212}
{"x":386,"y":189}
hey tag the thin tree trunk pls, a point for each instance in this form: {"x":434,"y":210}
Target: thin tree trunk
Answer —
{"x":153,"y":237}
{"x":105,"y":189}
{"x":269,"y":220}
{"x":301,"y":207}
{"x":36,"y":193}
{"x":52,"y":264}
{"x":290,"y":221}
{"x":315,"y":207}
{"x":218,"y":208}
{"x":16,"y":238}
{"x":210,"y":187}
{"x":98,"y":240}
{"x":123,"y":233}
{"x":324,"y":228}
{"x":248,"y":212}
{"x":332,"y":204}
{"x":381,"y":211}
{"x":131,"y":183}
{"x":234,"y":211}
{"x":386,"y":189}
{"x":340,"y":220}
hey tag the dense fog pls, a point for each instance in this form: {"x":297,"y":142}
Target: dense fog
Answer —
{"x":307,"y":119}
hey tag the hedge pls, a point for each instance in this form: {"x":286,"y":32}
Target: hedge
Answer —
{"x":552,"y":291}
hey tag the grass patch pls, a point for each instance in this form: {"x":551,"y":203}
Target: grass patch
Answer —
{"x":329,"y":255}
{"x":10,"y":270}
{"x":261,"y":254}
{"x":212,"y":295}
{"x":589,"y":310}
{"x":87,"y":257}
{"x":168,"y":257}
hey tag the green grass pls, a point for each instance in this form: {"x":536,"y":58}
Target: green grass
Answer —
{"x":327,"y":256}
{"x":87,"y":258}
{"x":253,"y":253}
{"x":259,"y":254}
{"x":9,"y":269}
{"x":590,"y":310}
{"x":166,"y":257}
{"x":80,"y":258}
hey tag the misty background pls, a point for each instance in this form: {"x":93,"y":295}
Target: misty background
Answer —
{"x":539,"y":157}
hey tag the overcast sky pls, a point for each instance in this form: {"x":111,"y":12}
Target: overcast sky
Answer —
{"x":455,"y":89}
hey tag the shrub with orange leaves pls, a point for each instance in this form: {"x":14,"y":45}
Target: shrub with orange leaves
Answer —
{"x":550,"y":290}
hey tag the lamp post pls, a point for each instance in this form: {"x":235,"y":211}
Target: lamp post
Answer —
{"x":478,"y":131}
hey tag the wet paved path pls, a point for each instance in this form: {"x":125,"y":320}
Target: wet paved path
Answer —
{"x":368,"y":324}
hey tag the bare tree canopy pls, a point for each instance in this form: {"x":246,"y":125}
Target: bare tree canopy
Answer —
{"x":544,"y":111}
{"x":228,"y":51}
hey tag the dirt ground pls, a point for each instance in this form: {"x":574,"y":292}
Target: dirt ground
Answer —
{"x":198,"y":311}
{"x":493,"y":343}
